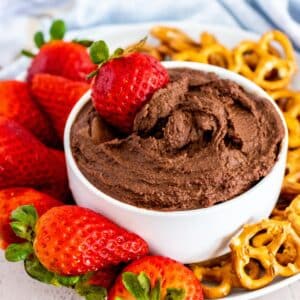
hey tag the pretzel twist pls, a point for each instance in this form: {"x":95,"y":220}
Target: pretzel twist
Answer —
{"x":263,"y":242}
{"x":222,"y":275}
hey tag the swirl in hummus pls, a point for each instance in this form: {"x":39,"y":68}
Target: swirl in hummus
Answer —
{"x":199,"y":141}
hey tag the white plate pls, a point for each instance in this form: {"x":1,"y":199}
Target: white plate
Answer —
{"x":116,"y":36}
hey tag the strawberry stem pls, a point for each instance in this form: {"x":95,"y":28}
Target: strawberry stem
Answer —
{"x":92,"y":74}
{"x":135,"y":47}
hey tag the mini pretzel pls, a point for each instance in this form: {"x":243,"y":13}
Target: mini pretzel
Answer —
{"x":246,"y":57}
{"x":267,"y":65}
{"x":286,"y":255}
{"x":294,"y":128}
{"x":293,"y":214}
{"x":215,"y":54}
{"x":207,"y":39}
{"x":291,"y":183}
{"x":282,"y":40}
{"x":292,"y":114}
{"x":174,"y":38}
{"x":244,"y":248}
{"x":279,"y":211}
{"x":284,"y":66}
{"x":283,"y":97}
{"x":223,"y":276}
{"x":149,"y":49}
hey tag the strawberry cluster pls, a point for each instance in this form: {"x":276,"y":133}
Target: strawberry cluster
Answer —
{"x":67,"y":245}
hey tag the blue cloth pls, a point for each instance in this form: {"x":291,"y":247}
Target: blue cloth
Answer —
{"x":19,"y":19}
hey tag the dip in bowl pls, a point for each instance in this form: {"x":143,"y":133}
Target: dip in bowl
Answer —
{"x":206,"y":156}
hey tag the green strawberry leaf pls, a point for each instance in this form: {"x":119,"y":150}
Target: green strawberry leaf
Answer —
{"x":68,"y":281}
{"x":144,"y":282}
{"x":18,"y":252}
{"x":85,"y":43}
{"x":118,"y":52}
{"x":90,"y":292}
{"x":39,"y":39}
{"x":99,"y":52}
{"x":132,"y":284}
{"x":58,"y":30}
{"x":175,"y":294}
{"x":155,"y":292}
{"x":23,"y":220}
{"x":37,"y":271}
{"x":93,"y":293}
{"x":27,"y":53}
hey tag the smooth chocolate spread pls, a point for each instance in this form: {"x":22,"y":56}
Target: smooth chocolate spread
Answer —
{"x":199,"y":141}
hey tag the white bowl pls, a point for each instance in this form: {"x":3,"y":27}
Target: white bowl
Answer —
{"x":192,"y":235}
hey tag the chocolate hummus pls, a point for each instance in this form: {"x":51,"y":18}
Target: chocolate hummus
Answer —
{"x":199,"y":141}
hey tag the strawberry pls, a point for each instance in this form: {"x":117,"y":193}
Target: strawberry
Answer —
{"x":88,"y":244}
{"x":67,"y":59}
{"x":72,"y":246}
{"x":25,"y":161}
{"x":12,"y":198}
{"x":104,"y":277}
{"x":57,"y":96}
{"x":124,"y":83}
{"x":16,"y":104}
{"x":156,"y":277}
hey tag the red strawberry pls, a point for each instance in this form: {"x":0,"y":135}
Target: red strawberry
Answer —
{"x":12,"y":198}
{"x":72,"y":240}
{"x":57,"y":96}
{"x":66,"y":59}
{"x":124,"y":84}
{"x":25,"y":161}
{"x":104,"y":277}
{"x":160,"y":277}
{"x":16,"y":104}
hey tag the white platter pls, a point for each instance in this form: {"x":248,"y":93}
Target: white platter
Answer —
{"x":116,"y":36}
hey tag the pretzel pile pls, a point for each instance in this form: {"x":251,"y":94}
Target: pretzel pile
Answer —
{"x":262,"y":252}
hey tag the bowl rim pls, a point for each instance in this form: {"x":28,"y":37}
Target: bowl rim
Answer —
{"x":222,"y":73}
